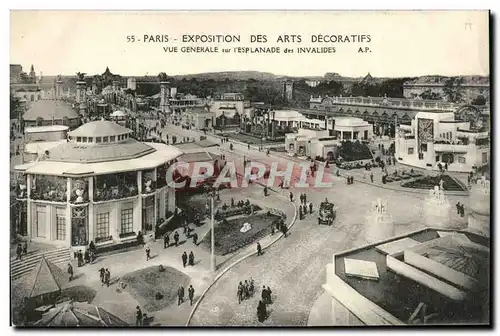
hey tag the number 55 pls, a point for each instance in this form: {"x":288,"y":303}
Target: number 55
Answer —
{"x":131,"y":38}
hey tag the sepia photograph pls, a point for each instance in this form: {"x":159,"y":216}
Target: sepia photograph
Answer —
{"x":250,"y":168}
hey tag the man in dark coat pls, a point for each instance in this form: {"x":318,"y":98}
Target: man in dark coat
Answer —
{"x":191,"y":258}
{"x":310,"y":207}
{"x":176,"y":238}
{"x":180,"y":295}
{"x":191,"y":294}
{"x":305,"y":198}
{"x":166,"y":241}
{"x":259,"y":249}
{"x":70,"y":272}
{"x":195,"y":238}
{"x":25,"y":247}
{"x":264,"y":294}
{"x":458,"y":208}
{"x":291,"y":196}
{"x":138,"y":316}
{"x":19,"y":252}
{"x":101,"y":274}
{"x":184,"y":259}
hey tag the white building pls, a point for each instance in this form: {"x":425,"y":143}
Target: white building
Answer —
{"x":347,"y":128}
{"x":311,"y":143}
{"x":434,"y":138}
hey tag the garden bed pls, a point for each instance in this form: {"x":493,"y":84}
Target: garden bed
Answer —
{"x":429,"y":182}
{"x":228,"y":237}
{"x":145,"y":283}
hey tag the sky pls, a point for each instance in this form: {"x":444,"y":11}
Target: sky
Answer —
{"x":403,"y":43}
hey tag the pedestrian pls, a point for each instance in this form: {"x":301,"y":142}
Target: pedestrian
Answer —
{"x":301,"y":198}
{"x":80,"y":258}
{"x":284,"y":229}
{"x":248,"y":146}
{"x":191,"y":294}
{"x":166,"y":241}
{"x":180,"y":295}
{"x":458,"y":208}
{"x":305,"y":209}
{"x":240,"y":292}
{"x":138,"y":316}
{"x":19,"y":251}
{"x":195,"y":239}
{"x":446,"y":166}
{"x":265,"y":191}
{"x":261,"y":311}
{"x":269,"y":295}
{"x":305,"y":198}
{"x":176,"y":238}
{"x":184,"y":259}
{"x":310,"y":207}
{"x":148,"y":253}
{"x":246,"y":288}
{"x":107,"y":277}
{"x":25,"y":247}
{"x":191,"y":258}
{"x":301,"y":215}
{"x":291,"y":196}
{"x":86,"y":256}
{"x":259,"y":249}
{"x":462,"y":210}
{"x":101,"y":274}
{"x":371,"y":177}
{"x":185,"y":228}
{"x":263,"y":294}
{"x":70,"y":271}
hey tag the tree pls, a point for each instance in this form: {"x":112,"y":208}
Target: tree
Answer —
{"x":479,"y":100}
{"x":429,"y":95}
{"x":15,"y":107}
{"x":453,"y":89}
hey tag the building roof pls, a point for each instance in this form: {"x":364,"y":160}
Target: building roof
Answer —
{"x":350,"y":122}
{"x":50,"y":109}
{"x":102,"y":152}
{"x":202,"y":156}
{"x":44,"y":129}
{"x":119,"y":114}
{"x":45,"y":278}
{"x":160,"y":154}
{"x":99,"y":128}
{"x":79,"y":314}
{"x":40,"y":147}
{"x":441,"y":80}
{"x":286,"y":114}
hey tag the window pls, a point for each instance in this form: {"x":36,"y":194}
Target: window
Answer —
{"x":105,"y":139}
{"x":112,"y":138}
{"x":78,"y":139}
{"x":461,"y":159}
{"x":84,"y":139}
{"x":98,"y":139}
{"x":127,"y":221}
{"x":61,"y":227}
{"x":410,"y":151}
{"x":485,"y":157}
{"x":102,"y":225}
{"x":91,"y":139}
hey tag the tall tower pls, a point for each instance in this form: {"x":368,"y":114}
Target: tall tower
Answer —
{"x":81,"y":88}
{"x":164,"y":96}
{"x":288,"y":90}
{"x":58,"y":87}
{"x":32,"y":75}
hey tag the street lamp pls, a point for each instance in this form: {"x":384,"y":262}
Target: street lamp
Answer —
{"x":212,"y":194}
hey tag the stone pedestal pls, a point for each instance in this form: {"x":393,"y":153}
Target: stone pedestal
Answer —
{"x":379,"y":224}
{"x":436,"y":209}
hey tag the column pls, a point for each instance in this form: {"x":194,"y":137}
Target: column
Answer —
{"x":352,"y":135}
{"x":28,"y":205}
{"x":156,"y":202}
{"x":91,"y":208}
{"x":341,"y":135}
{"x":138,"y":208}
{"x":68,"y":211}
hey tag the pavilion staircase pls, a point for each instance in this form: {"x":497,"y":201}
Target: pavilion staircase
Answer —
{"x":60,"y":257}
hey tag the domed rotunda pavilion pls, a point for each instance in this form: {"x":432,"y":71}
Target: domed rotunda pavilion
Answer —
{"x":101,"y":185}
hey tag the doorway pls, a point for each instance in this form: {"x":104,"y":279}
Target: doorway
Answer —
{"x":41,"y":222}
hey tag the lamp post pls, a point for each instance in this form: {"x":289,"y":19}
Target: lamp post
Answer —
{"x":212,"y":195}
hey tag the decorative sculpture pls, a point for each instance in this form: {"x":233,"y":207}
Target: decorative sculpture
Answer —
{"x":147,"y":186}
{"x":81,"y":76}
{"x":245,"y":228}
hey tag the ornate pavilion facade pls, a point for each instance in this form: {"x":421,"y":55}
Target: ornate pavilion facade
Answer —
{"x":101,"y":186}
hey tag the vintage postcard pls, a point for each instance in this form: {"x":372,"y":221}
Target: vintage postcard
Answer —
{"x":250,"y":168}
